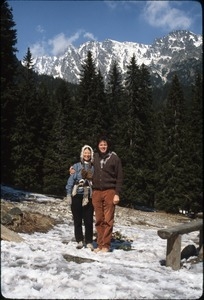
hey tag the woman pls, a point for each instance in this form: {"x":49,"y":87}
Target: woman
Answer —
{"x":79,"y":193}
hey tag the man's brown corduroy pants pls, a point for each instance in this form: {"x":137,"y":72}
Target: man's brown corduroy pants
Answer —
{"x":104,"y":216}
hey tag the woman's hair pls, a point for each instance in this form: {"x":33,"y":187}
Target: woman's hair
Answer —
{"x":82,"y":152}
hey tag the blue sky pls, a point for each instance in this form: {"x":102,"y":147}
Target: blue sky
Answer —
{"x":48,"y":27}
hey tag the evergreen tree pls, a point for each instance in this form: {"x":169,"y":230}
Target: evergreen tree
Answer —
{"x":148,"y":120}
{"x":26,"y":152}
{"x":172,"y":161}
{"x":115,"y":104}
{"x":133,"y":126}
{"x":194,"y":150}
{"x":8,"y":99}
{"x":134,"y":134}
{"x":46,"y":115}
{"x":102,"y":103}
{"x":8,"y":49}
{"x":61,"y":147}
{"x":91,"y":101}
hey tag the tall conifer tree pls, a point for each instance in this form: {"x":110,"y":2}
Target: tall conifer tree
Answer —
{"x":8,"y":94}
{"x":91,"y":101}
{"x":133,"y":126}
{"x":25,"y":138}
{"x":101,"y":100}
{"x":148,"y":120}
{"x":61,"y":146}
{"x":115,"y":104}
{"x":134,"y":134}
{"x":194,"y":149}
{"x":172,"y":166}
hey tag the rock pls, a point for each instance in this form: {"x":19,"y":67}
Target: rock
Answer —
{"x":11,"y":236}
{"x":200,"y":255}
{"x":6,"y":219}
{"x":34,"y":222}
{"x":77,"y":259}
{"x":15,"y":211}
{"x":25,"y":221}
{"x":189,"y":251}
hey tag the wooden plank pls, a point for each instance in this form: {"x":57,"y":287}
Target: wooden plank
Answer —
{"x":166,"y":233}
{"x":173,"y":253}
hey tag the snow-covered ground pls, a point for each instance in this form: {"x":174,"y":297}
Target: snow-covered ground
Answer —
{"x":37,"y":268}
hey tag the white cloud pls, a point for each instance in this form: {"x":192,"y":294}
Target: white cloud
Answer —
{"x":38,"y":49}
{"x":111,"y":4}
{"x":40,"y":29}
{"x":89,"y":36}
{"x":75,"y":37}
{"x":58,"y":44}
{"x":162,"y":14}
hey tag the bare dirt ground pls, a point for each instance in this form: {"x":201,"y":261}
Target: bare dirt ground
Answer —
{"x":42,"y":217}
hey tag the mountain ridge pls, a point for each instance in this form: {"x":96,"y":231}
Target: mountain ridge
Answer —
{"x":180,"y":51}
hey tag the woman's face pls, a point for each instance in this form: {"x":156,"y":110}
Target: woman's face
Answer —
{"x":103,"y":146}
{"x":87,"y":154}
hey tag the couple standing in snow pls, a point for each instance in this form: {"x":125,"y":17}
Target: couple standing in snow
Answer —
{"x":94,"y":184}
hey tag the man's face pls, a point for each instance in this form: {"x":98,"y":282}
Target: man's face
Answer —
{"x":103,"y":146}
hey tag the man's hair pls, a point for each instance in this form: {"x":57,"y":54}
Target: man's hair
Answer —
{"x":104,"y":138}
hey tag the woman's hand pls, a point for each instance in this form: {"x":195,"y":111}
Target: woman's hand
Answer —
{"x":83,"y":173}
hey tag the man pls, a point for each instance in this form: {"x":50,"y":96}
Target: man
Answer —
{"x":107,"y":184}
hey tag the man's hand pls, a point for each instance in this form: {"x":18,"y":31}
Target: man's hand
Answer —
{"x":116,"y":199}
{"x":71,"y":170}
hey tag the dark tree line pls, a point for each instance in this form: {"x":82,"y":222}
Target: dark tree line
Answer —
{"x":46,"y":121}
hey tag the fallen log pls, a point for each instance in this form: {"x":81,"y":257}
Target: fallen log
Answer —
{"x":173,"y":236}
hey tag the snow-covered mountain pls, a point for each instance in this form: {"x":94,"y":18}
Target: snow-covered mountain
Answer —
{"x":180,"y":51}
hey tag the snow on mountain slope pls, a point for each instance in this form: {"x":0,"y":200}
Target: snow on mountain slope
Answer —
{"x":177,"y":51}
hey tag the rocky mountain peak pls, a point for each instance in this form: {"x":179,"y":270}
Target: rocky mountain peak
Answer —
{"x":164,"y":57}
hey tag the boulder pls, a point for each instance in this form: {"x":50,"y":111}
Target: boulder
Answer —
{"x":189,"y":251}
{"x":25,"y":221}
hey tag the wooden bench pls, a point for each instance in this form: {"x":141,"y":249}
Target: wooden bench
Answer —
{"x":173,"y":236}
